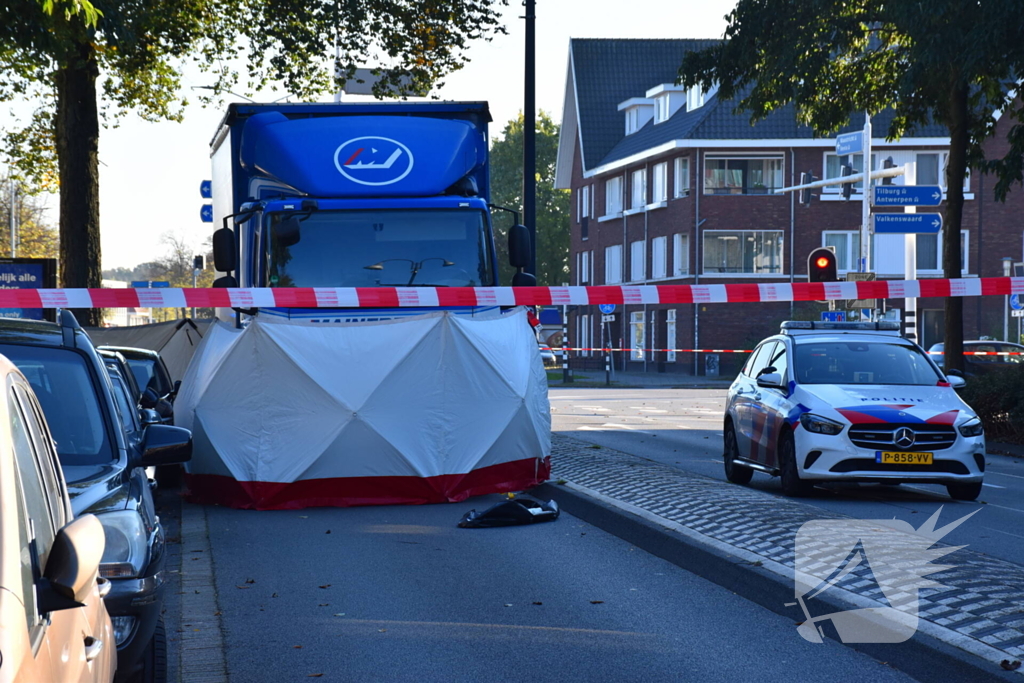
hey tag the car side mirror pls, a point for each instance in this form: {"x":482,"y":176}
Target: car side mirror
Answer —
{"x":771,"y":380}
{"x":165,"y":445}
{"x":956,"y":381}
{"x":150,"y":417}
{"x":149,"y":398}
{"x":72,"y":566}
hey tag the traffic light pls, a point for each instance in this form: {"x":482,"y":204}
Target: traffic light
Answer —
{"x":847,"y":187}
{"x":805,"y":194}
{"x":821,"y":266}
{"x":888,"y":163}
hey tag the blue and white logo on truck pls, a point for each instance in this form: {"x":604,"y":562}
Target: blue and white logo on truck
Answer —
{"x":372,"y":160}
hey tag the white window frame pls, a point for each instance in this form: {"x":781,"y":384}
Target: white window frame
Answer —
{"x":637,"y":335}
{"x":584,"y":204}
{"x":613,"y":264}
{"x":778,"y":236}
{"x":613,"y":197}
{"x":681,"y":181}
{"x":659,"y":258}
{"x":680,"y":255}
{"x":662,"y":109}
{"x":583,"y":334}
{"x":638,"y":189}
{"x":779,"y":157}
{"x":853,"y":253}
{"x":632,"y":120}
{"x":670,"y":335}
{"x":583,"y":268}
{"x":659,"y":181}
{"x":965,"y":255}
{"x":878,"y":157}
{"x":638,"y":261}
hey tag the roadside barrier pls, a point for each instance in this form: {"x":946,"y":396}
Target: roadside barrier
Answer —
{"x":438,"y":297}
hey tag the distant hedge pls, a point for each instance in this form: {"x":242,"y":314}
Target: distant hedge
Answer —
{"x":998,"y":398}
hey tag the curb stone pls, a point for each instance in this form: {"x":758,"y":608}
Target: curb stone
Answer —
{"x":203,"y":659}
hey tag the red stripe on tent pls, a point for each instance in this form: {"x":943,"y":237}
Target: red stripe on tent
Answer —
{"x":744,"y":293}
{"x":214,"y":489}
{"x":115,"y":298}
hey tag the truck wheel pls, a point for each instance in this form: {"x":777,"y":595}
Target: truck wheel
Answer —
{"x":792,"y":484}
{"x":964,"y":491}
{"x":734,"y":472}
{"x":154,"y":659}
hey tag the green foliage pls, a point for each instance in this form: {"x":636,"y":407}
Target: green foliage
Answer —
{"x":552,"y":205}
{"x":36,"y":236}
{"x":998,"y":399}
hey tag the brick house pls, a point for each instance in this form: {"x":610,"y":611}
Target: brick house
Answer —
{"x":671,"y":186}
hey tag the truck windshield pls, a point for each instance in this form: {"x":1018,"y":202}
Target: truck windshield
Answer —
{"x":396,"y":248}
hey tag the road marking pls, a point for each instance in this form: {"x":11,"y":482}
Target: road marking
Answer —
{"x":992,"y":486}
{"x":603,"y":410}
{"x":1002,"y":532}
{"x":1004,"y":474}
{"x":1004,"y":507}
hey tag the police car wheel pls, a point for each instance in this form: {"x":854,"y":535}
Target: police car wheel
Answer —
{"x":964,"y":491}
{"x":734,"y":472}
{"x":792,"y":485}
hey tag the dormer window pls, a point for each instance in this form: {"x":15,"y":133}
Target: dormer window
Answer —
{"x":661,"y":109}
{"x":639,"y":110}
{"x":696,"y":97}
{"x":668,"y":98}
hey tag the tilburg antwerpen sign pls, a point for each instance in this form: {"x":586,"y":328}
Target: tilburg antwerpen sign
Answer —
{"x":907,"y":195}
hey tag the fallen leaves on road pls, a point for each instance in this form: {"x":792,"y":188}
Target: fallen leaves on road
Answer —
{"x":340,"y":614}
{"x":1010,"y":666}
{"x":314,"y":675}
{"x":326,"y":585}
{"x":508,"y":604}
{"x":274,"y":595}
{"x":238,"y":587}
{"x":328,"y":531}
{"x":597,"y":602}
{"x":297,"y":647}
{"x":537,"y":602}
{"x":324,"y":604}
{"x":250,"y":580}
{"x":382,"y":630}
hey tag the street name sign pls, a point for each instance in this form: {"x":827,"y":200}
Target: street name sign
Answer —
{"x":897,"y":223}
{"x":850,"y":143}
{"x":907,"y":195}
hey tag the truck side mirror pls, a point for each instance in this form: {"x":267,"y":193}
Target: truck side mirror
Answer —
{"x":225,"y":257}
{"x":225,"y":282}
{"x":518,"y":246}
{"x":522,"y":279}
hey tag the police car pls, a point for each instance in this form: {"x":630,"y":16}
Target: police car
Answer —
{"x":823,"y":402}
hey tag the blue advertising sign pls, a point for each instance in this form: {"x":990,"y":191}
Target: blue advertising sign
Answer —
{"x":607,"y":309}
{"x":850,"y":143}
{"x":159,"y":283}
{"x":896,"y":223}
{"x":907,"y":195}
{"x":146,"y":284}
{"x":206,"y":213}
{"x":833,"y":316}
{"x":206,"y":189}
{"x":21,"y":276}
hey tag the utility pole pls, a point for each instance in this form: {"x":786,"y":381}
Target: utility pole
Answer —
{"x":12,"y":215}
{"x":530,"y":134}
{"x":865,"y":227}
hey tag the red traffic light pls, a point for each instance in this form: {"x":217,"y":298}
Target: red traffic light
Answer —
{"x":822,"y":266}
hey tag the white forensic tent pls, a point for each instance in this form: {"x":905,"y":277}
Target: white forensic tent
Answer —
{"x":431,"y":408}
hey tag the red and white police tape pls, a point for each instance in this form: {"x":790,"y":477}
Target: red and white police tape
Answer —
{"x":438,"y":297}
{"x":606,"y":349}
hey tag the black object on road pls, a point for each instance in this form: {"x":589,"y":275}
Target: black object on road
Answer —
{"x":510,"y":513}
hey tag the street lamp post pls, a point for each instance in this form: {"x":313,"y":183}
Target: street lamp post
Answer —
{"x":1007,"y":267}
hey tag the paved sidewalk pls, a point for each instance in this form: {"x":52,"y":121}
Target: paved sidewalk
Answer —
{"x":979,"y":609}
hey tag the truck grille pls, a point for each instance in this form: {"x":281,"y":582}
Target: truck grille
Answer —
{"x":880,"y":437}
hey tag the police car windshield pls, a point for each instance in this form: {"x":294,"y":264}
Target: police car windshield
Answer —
{"x":379,"y":248}
{"x":859,"y":362}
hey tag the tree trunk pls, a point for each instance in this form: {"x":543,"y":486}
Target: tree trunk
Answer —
{"x":956,"y":169}
{"x":77,"y":135}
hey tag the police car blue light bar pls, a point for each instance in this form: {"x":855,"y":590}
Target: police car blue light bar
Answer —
{"x":882,"y":325}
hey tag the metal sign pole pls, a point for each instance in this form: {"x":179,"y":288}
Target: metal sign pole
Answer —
{"x":865,"y":227}
{"x":910,"y":263}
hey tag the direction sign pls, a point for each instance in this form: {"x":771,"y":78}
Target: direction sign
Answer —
{"x":833,"y":316}
{"x":607,"y":308}
{"x":206,"y":213}
{"x":897,"y":223}
{"x":907,"y":195}
{"x":1015,"y":303}
{"x":1017,"y":314}
{"x":206,"y":189}
{"x":850,"y":143}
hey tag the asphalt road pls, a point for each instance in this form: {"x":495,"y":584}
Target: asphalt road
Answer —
{"x":683,"y":428}
{"x":402,"y":594}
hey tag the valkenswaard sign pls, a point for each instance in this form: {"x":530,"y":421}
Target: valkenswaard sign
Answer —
{"x":896,"y":223}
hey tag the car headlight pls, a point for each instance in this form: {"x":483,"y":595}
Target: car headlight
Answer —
{"x":820,"y":425}
{"x":126,"y":548}
{"x":972,"y":427}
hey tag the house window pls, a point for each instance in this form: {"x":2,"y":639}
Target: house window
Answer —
{"x":682,"y":180}
{"x":738,"y":175}
{"x":887,"y":254}
{"x":583,"y":334}
{"x":928,"y":169}
{"x":660,"y":189}
{"x":659,"y":258}
{"x":638,"y":196}
{"x":613,"y":265}
{"x":613,"y":196}
{"x":661,"y":109}
{"x":846,"y":244}
{"x":637,"y":261}
{"x":694,"y":98}
{"x":584,"y":208}
{"x":632,"y":120}
{"x":834,"y":169}
{"x":680,"y":255}
{"x":583,"y":271}
{"x":637,"y":338}
{"x":670,"y":334}
{"x":743,"y":251}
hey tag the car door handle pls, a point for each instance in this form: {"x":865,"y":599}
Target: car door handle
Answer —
{"x":103,"y":586}
{"x":93,"y":648}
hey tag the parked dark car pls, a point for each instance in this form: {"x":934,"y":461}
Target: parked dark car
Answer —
{"x":104,"y":459}
{"x":149,"y":370}
{"x":980,"y":365}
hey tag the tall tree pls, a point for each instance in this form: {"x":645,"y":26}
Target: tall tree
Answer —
{"x":80,"y":61}
{"x":552,"y":204}
{"x":954,"y":62}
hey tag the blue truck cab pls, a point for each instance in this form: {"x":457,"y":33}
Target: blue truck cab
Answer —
{"x":356,"y":195}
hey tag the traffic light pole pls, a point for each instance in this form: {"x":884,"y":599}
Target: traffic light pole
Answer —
{"x":865,"y":226}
